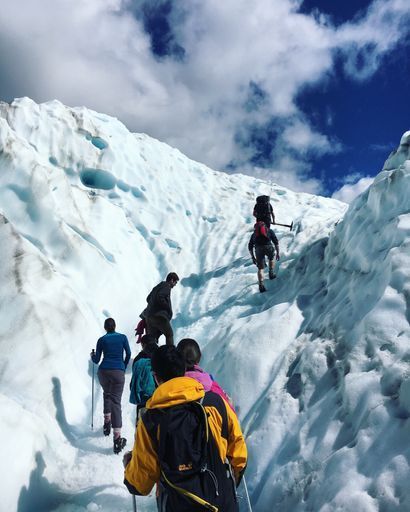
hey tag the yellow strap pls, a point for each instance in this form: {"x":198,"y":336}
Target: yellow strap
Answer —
{"x":193,"y":497}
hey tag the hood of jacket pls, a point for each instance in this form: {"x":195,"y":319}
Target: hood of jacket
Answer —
{"x":175,"y":392}
{"x":201,"y":376}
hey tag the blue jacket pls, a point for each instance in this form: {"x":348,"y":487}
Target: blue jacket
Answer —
{"x":142,"y":382}
{"x":112,"y":346}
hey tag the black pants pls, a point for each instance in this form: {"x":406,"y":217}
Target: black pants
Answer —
{"x":157,"y":325}
{"x":261,"y":251}
{"x":112,"y":382}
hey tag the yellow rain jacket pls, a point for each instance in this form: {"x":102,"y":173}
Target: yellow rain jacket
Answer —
{"x":143,"y":470}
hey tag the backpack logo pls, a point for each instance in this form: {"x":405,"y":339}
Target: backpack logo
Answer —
{"x":185,"y":467}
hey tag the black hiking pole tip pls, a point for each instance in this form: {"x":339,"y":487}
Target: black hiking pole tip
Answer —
{"x":134,"y":504}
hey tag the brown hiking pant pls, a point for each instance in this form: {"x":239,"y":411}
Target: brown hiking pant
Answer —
{"x":112,"y":382}
{"x":157,"y":325}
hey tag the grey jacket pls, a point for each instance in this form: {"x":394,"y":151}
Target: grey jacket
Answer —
{"x":159,"y":302}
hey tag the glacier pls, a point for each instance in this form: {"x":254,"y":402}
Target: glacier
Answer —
{"x":92,"y":216}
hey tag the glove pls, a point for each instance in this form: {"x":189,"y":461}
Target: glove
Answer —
{"x":254,"y":259}
{"x":277,"y":256}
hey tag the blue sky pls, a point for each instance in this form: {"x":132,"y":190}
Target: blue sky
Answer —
{"x":312,"y":95}
{"x":339,"y":11}
{"x":368,"y":117}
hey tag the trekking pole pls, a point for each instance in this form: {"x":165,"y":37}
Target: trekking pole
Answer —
{"x":134,"y":503}
{"x":92,"y":394}
{"x":247,"y":494}
{"x":290,"y":226}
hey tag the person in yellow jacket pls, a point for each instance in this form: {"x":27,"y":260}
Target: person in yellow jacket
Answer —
{"x":187,"y":441}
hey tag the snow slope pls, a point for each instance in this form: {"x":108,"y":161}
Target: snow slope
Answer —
{"x":92,"y":216}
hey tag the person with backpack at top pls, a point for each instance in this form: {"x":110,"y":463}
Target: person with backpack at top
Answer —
{"x":264,"y":240}
{"x":188,"y":441}
{"x":158,"y":313}
{"x":142,"y":383}
{"x":191,"y":352}
{"x":111,"y":375}
{"x":263,"y":211}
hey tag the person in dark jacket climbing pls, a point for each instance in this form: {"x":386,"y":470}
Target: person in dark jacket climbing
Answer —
{"x":265,"y":243}
{"x":158,"y":313}
{"x":111,"y":375}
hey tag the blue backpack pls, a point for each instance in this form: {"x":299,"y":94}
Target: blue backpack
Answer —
{"x":142,"y":384}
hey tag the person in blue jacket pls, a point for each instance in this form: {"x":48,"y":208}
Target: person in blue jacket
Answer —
{"x":111,"y":374}
{"x":142,"y":384}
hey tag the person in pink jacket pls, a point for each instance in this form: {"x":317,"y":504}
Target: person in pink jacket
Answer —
{"x":189,"y":348}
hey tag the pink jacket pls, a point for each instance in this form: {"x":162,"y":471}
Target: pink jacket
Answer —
{"x":208,"y":383}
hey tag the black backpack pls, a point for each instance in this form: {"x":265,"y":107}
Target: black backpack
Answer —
{"x":193,"y":476}
{"x":263,"y":209}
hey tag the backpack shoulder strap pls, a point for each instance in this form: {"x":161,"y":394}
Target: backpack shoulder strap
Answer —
{"x":212,"y":399}
{"x":151,"y":420}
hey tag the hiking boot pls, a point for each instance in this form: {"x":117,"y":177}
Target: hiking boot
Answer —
{"x":107,"y":428}
{"x":119,"y":444}
{"x":272,"y":274}
{"x":262,"y":287}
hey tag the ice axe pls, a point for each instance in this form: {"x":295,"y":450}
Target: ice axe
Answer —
{"x":290,"y":226}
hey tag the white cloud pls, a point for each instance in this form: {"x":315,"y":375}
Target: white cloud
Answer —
{"x":290,"y":173}
{"x":350,"y":191}
{"x":96,"y":53}
{"x":383,"y":148}
{"x":300,"y":137}
{"x":365,"y":42}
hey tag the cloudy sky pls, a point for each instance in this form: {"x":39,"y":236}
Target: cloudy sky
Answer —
{"x":312,"y":94}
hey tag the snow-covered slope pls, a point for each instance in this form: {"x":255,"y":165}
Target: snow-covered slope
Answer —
{"x":92,"y":216}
